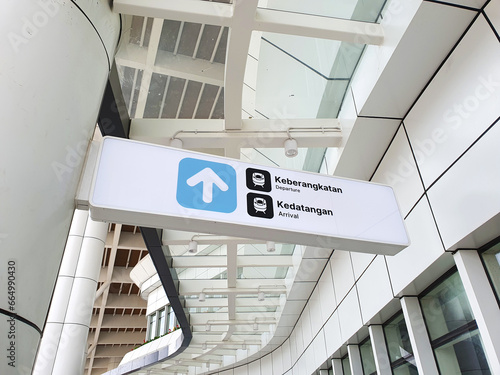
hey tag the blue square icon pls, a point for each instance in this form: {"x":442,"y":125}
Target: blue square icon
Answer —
{"x":206,"y":185}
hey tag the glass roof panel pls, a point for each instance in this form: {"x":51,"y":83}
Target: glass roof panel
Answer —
{"x":262,"y":272}
{"x":254,"y":309}
{"x":357,"y":10}
{"x":202,"y":273}
{"x":203,"y":250}
{"x":308,"y":159}
{"x":261,"y":249}
{"x":172,"y":69}
{"x":302,"y":77}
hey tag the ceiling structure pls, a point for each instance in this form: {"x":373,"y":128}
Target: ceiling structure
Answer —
{"x":118,"y":321}
{"x":236,"y":79}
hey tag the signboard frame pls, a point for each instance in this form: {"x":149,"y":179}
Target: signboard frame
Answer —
{"x":215,"y":224}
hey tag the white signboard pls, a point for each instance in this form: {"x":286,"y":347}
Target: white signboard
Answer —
{"x":154,"y":186}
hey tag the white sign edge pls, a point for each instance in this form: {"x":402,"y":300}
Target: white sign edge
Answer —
{"x":154,"y":220}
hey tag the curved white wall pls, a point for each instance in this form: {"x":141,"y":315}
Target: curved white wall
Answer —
{"x":54,"y":68}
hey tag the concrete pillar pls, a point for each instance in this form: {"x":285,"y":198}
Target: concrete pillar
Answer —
{"x":377,"y":338}
{"x":64,"y":342}
{"x":422,"y":350}
{"x":355,"y":359}
{"x":54,"y":66}
{"x":482,"y":302}
{"x":337,"y":366}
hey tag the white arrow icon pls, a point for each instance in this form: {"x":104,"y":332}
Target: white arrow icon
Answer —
{"x":208,"y":178}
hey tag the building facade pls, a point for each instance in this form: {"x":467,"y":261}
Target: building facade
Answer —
{"x":415,"y":89}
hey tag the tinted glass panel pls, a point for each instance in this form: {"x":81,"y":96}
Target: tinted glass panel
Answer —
{"x":405,"y":369}
{"x":463,"y":355}
{"x":446,"y":307}
{"x":367,"y":359}
{"x":491,"y":259}
{"x":398,"y":341}
{"x":346,"y":366}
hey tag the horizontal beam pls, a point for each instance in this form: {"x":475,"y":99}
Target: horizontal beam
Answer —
{"x":171,"y":237}
{"x":119,"y":321}
{"x":238,"y":331}
{"x":98,"y":363}
{"x":195,"y":351}
{"x":222,"y":302}
{"x":113,"y":351}
{"x":247,"y":319}
{"x":276,"y":21}
{"x":268,"y":20}
{"x":255,"y":133}
{"x":118,"y":338}
{"x":180,"y":66}
{"x":235,"y":342}
{"x":128,"y":240}
{"x":123,"y":301}
{"x":243,"y":261}
{"x":241,"y":322}
{"x":120,"y":275}
{"x":197,"y":11}
{"x":202,"y":337}
{"x":243,"y":286}
{"x":188,"y":68}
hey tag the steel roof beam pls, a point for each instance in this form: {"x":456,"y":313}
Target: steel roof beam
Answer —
{"x":118,"y":338}
{"x":268,"y":20}
{"x":282,"y":22}
{"x":167,"y":63}
{"x":243,"y":261}
{"x":254,"y":133}
{"x":196,"y":11}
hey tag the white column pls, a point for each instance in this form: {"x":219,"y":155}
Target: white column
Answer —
{"x":337,"y":366}
{"x":482,"y":302}
{"x":355,"y":359}
{"x":377,"y":338}
{"x":64,"y":342}
{"x":422,"y":350}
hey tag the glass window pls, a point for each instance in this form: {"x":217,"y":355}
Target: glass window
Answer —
{"x":346,"y":367}
{"x":406,"y":369}
{"x":365,"y":349}
{"x":452,"y":329}
{"x":446,"y":307}
{"x":355,"y":10}
{"x":262,"y":272}
{"x":152,"y":326}
{"x":491,"y":260}
{"x":399,"y":346}
{"x":462,"y":355}
{"x":161,"y":323}
{"x":171,"y":321}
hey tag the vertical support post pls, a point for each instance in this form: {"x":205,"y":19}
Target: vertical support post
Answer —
{"x":482,"y":302}
{"x":355,"y":359}
{"x":422,"y":350}
{"x":377,"y":338}
{"x":337,"y":366}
